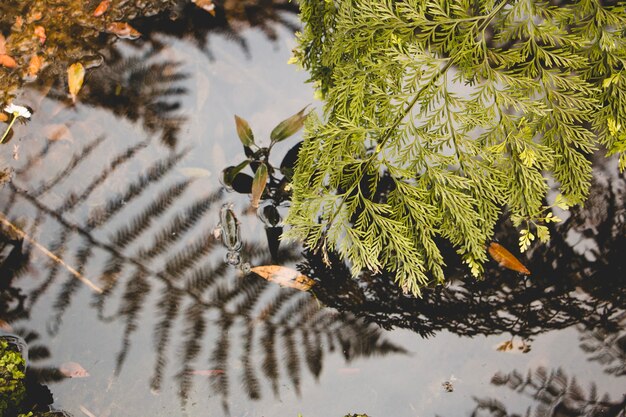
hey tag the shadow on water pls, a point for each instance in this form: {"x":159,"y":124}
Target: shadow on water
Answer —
{"x":126,"y":231}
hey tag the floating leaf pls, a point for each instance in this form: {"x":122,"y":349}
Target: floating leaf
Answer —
{"x":192,"y":172}
{"x":58,"y":131}
{"x":75,"y":78}
{"x":3,"y":46}
{"x":102,"y":8}
{"x":40,"y":32}
{"x":289,"y":126}
{"x":506,"y":258}
{"x":123,"y":30}
{"x":73,"y":370}
{"x":505,"y":346}
{"x":34,"y":66}
{"x":244,"y":132}
{"x":7,"y":61}
{"x":284,"y":276}
{"x":5,"y":326}
{"x":258,"y":184}
{"x":206,"y":5}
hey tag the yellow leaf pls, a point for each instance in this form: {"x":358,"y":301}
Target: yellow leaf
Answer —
{"x":75,"y":78}
{"x":284,"y":276}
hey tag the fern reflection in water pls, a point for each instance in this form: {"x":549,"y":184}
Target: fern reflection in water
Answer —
{"x":164,"y":249}
{"x":555,"y":395}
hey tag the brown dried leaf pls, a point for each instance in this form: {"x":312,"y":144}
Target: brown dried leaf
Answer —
{"x":284,"y":276}
{"x":505,"y":346}
{"x":3,"y":45}
{"x":102,"y":8}
{"x":123,"y":30}
{"x":75,"y":78}
{"x":58,"y":131}
{"x":506,"y":259}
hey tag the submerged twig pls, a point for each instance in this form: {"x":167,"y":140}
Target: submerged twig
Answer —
{"x":49,"y":254}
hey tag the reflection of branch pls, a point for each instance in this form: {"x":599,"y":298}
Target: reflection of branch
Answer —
{"x":49,"y":254}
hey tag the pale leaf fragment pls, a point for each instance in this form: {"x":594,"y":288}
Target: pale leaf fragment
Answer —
{"x":73,"y":370}
{"x":192,"y":172}
{"x":284,"y":276}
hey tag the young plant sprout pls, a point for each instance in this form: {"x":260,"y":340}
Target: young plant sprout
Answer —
{"x":17,"y":112}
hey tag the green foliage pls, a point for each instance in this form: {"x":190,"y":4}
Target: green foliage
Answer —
{"x":12,"y":367}
{"x":470,"y":108}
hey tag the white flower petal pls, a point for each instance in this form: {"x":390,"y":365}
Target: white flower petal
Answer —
{"x":19,"y":111}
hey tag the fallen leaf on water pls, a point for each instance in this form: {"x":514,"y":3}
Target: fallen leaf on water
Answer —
{"x":4,"y":117}
{"x":207,"y":372}
{"x":58,"y":131}
{"x":505,"y":346}
{"x":73,"y":370}
{"x":284,"y":276}
{"x":102,"y":8}
{"x":192,"y":172}
{"x":5,"y":326}
{"x":75,"y":78}
{"x":40,"y":32}
{"x":86,"y":411}
{"x":206,"y":5}
{"x":3,"y":46}
{"x":7,"y":61}
{"x":34,"y":16}
{"x":34,"y":66}
{"x":123,"y":30}
{"x":506,"y":259}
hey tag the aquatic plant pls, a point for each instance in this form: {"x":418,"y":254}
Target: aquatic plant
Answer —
{"x":12,"y":367}
{"x":472,"y":108}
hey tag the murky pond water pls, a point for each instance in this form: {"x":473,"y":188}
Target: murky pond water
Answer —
{"x":112,"y":274}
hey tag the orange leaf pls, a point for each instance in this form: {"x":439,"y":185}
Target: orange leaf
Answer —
{"x":102,"y":8}
{"x":506,"y":258}
{"x":35,"y":64}
{"x":3,"y":48}
{"x":123,"y":30}
{"x":75,"y":78}
{"x":206,"y":5}
{"x":40,"y":32}
{"x":7,"y":61}
{"x":286,"y":277}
